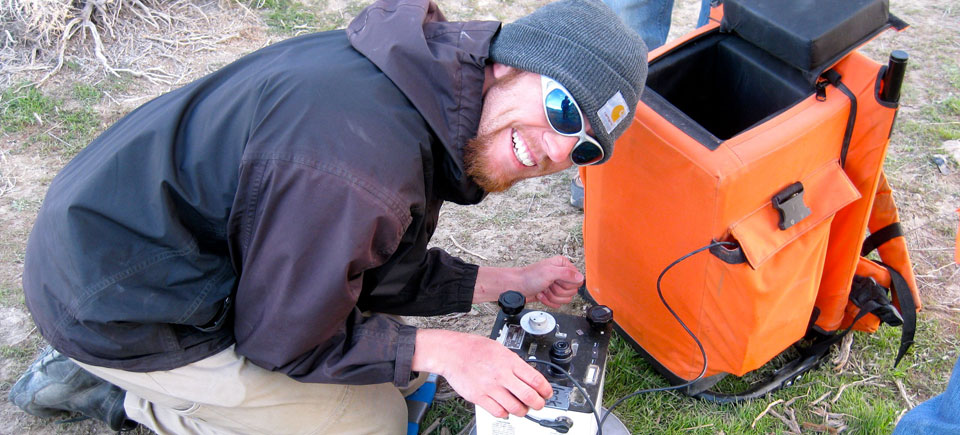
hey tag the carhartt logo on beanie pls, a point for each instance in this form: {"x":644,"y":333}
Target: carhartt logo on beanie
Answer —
{"x":586,"y":47}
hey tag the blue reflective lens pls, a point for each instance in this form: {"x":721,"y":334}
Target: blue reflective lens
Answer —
{"x":562,"y":113}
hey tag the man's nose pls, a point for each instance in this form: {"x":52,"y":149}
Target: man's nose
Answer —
{"x":559,"y":147}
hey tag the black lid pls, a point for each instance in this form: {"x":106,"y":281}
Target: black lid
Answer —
{"x":511,"y":302}
{"x":599,"y":316}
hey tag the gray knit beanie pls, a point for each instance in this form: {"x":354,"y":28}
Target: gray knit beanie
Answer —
{"x":586,"y":47}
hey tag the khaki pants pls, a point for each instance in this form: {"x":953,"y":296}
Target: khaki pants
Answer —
{"x":226,"y":394}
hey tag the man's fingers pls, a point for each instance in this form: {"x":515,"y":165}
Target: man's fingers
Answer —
{"x":569,"y":276}
{"x":559,"y":260}
{"x":551,"y":299}
{"x":556,"y":295}
{"x":545,"y":298}
{"x":508,"y":401}
{"x":491,"y":406}
{"x":534,"y":379}
{"x":559,"y":290}
{"x":523,"y":392}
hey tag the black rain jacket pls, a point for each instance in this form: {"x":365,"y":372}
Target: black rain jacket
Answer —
{"x":268,"y":204}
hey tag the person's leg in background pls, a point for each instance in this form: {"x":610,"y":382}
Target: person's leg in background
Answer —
{"x":939,"y":415}
{"x":704,"y":17}
{"x":649,"y":18}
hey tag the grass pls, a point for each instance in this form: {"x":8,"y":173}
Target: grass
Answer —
{"x":54,"y":127}
{"x":292,"y":17}
{"x":453,"y":414}
{"x":86,"y":93}
{"x":19,"y":352}
{"x":287,"y":16}
{"x":23,"y":106}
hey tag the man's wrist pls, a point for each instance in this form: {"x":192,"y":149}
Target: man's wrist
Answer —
{"x":491,"y":281}
{"x":430,"y":349}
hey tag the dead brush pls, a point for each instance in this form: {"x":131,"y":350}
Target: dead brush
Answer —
{"x":44,"y":27}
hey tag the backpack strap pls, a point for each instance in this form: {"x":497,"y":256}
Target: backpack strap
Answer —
{"x":908,"y":310}
{"x":881,"y":236}
{"x":833,"y":77}
{"x":871,"y":298}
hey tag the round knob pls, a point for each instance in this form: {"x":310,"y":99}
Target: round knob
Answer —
{"x":599,"y":316}
{"x":561,"y":351}
{"x":539,"y":320}
{"x":561,"y":354}
{"x":511,"y":302}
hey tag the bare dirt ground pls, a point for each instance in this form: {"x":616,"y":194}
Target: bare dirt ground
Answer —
{"x":532,"y":221}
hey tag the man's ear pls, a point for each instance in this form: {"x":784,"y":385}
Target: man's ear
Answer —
{"x":500,"y":70}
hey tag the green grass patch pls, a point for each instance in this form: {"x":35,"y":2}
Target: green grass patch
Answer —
{"x":937,"y":122}
{"x":24,"y":105}
{"x":56,"y":129}
{"x":951,"y":69}
{"x":114,"y":83}
{"x":86,"y":94}
{"x":504,"y":218}
{"x":17,"y":351}
{"x":287,"y":16}
{"x":952,"y":106}
{"x":454,"y":414}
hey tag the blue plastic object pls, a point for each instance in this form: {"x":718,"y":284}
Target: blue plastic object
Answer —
{"x":419,"y":402}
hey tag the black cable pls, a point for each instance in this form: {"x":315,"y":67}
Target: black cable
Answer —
{"x":593,"y":407}
{"x":703,"y":352}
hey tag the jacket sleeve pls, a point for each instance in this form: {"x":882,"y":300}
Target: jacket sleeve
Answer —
{"x":420,"y":283}
{"x":302,"y":235}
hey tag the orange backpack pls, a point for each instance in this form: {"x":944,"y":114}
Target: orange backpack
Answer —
{"x":766,"y":152}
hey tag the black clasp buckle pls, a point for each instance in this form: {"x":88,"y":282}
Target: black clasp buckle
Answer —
{"x":872,"y":297}
{"x":789,"y":203}
{"x":822,"y":89}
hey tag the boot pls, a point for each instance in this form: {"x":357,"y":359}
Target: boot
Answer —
{"x":54,"y":384}
{"x":576,"y":192}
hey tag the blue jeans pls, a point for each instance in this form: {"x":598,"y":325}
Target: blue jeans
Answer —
{"x":651,"y":18}
{"x":939,"y":415}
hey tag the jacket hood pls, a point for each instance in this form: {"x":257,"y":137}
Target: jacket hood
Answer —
{"x":439,"y":66}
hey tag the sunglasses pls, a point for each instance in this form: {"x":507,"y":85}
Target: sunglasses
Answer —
{"x":566,"y":119}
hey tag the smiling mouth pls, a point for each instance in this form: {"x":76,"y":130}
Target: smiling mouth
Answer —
{"x":521,"y":151}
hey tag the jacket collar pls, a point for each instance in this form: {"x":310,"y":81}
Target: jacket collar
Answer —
{"x":439,"y":66}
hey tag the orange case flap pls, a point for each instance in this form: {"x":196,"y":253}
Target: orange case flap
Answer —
{"x":826,"y":191}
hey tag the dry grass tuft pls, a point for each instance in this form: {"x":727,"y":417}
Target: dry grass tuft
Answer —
{"x":46,"y":24}
{"x":40,"y":35}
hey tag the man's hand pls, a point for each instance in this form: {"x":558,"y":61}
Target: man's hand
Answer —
{"x":482,"y":371}
{"x":553,"y":281}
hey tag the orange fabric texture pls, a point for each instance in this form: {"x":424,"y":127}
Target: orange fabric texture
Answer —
{"x":664,"y":195}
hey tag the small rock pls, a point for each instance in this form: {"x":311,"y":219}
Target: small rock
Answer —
{"x":941,"y":163}
{"x":953,"y":147}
